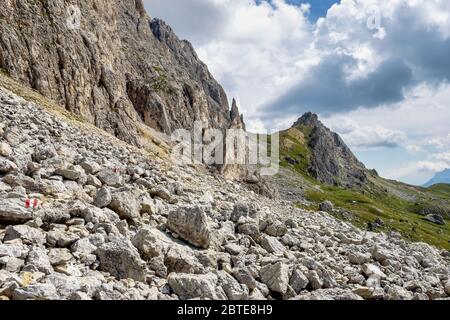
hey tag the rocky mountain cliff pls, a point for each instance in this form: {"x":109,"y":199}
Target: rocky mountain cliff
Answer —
{"x":328,"y":159}
{"x":117,"y":68}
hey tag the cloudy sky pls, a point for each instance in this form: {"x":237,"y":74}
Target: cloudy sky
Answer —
{"x":376,"y":71}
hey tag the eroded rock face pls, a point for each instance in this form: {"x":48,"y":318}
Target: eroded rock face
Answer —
{"x":116,"y":68}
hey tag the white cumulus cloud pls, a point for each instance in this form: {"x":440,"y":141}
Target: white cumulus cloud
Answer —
{"x":382,"y":65}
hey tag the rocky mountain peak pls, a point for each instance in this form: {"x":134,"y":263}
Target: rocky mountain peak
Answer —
{"x":307,"y":119}
{"x":331,"y":160}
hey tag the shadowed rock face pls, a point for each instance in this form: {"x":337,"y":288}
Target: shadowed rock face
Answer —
{"x":332,"y":162}
{"x":119,"y":68}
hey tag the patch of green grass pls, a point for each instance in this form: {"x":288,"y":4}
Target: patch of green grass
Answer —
{"x":396,"y":213}
{"x":291,"y":148}
{"x":442,"y":190}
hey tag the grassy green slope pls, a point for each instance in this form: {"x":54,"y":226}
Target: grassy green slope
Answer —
{"x":442,"y":190}
{"x":397,"y":204}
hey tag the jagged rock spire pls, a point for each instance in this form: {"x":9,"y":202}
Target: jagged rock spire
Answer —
{"x":237,"y":119}
{"x":234,"y":110}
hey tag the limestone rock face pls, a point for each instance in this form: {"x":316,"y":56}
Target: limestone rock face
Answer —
{"x":110,"y":63}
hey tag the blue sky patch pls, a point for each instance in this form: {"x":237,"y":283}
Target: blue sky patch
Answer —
{"x":319,"y":8}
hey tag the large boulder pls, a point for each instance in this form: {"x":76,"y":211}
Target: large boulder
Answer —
{"x":14,"y":211}
{"x":358,"y":258}
{"x":44,"y":152}
{"x":7,"y":166}
{"x":232,"y":288}
{"x":110,"y":178}
{"x":16,"y":250}
{"x":161,"y":193}
{"x":276,"y":277}
{"x":27,"y":234}
{"x":271,"y":244}
{"x":395,"y":292}
{"x":315,"y":280}
{"x":326,"y":206}
{"x":38,"y":258}
{"x":189,"y":286}
{"x":59,"y":256}
{"x":90,"y":167}
{"x":38,"y":291}
{"x":447,"y":287}
{"x":371,"y":270}
{"x":245,"y":276}
{"x":240,"y":209}
{"x":249,"y":227}
{"x":103,"y":198}
{"x":191,"y":224}
{"x":156,"y":246}
{"x":70,"y":172}
{"x":151,"y":242}
{"x":298,"y":280}
{"x":5,"y":149}
{"x":60,"y":238}
{"x":435,"y":218}
{"x":276,"y":229}
{"x":121,"y":260}
{"x":124,"y":203}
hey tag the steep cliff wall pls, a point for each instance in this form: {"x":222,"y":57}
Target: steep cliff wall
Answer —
{"x":107,"y":61}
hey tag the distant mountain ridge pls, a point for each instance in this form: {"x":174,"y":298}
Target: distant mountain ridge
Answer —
{"x":440,"y":177}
